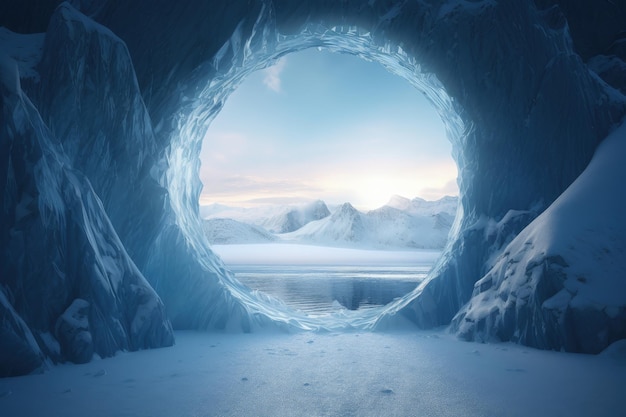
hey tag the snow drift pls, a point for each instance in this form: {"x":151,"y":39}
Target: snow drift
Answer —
{"x":99,"y":172}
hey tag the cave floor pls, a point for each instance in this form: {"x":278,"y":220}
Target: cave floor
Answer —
{"x":312,"y":374}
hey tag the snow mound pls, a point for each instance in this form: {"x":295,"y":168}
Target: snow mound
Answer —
{"x":616,"y":351}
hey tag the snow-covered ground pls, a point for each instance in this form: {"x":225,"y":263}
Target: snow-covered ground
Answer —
{"x":296,"y":254}
{"x":309,"y":374}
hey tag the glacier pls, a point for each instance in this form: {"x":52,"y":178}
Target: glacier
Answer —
{"x":101,"y":126}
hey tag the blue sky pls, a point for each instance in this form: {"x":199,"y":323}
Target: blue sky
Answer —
{"x":321,"y":125}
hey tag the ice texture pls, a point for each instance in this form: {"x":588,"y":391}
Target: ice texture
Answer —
{"x":100,"y":144}
{"x":63,"y":269}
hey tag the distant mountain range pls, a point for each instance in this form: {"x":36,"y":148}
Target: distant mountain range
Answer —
{"x":229,"y":231}
{"x":401,"y":223}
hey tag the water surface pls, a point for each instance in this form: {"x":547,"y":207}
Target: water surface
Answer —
{"x":322,"y":289}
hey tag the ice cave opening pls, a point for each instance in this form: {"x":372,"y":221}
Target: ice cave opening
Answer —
{"x":305,"y":201}
{"x":103,"y":118}
{"x":185,"y":186}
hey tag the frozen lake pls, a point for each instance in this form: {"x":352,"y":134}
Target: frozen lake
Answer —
{"x":319,"y":280}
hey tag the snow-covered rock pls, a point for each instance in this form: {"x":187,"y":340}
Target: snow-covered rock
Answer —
{"x":561,"y":283}
{"x":72,"y":332}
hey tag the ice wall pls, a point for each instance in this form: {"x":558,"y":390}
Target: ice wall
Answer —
{"x":123,"y":92}
{"x":69,"y":288}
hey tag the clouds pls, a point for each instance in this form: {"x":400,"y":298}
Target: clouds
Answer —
{"x":238,"y":189}
{"x":433,"y":193}
{"x":272,"y":74}
{"x":240,"y":184}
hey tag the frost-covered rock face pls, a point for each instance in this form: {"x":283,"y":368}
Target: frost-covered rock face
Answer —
{"x":90,"y":99}
{"x":100,"y":190}
{"x":68,"y":286}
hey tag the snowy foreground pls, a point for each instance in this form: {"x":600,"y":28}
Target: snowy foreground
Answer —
{"x":308,"y":374}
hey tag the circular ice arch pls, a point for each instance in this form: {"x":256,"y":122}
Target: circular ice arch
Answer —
{"x":237,"y":58}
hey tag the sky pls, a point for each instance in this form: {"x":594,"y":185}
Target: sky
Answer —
{"x":329,"y":126}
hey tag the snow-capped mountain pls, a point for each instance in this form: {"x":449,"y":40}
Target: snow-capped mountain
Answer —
{"x":419,"y":206}
{"x":402,"y":223}
{"x":294,"y":217}
{"x":275,"y":219}
{"x":345,"y":225}
{"x":229,"y":231}
{"x":415,"y":225}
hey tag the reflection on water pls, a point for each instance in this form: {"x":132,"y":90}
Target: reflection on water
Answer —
{"x":318,"y":290}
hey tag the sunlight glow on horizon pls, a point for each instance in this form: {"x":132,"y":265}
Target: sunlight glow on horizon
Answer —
{"x":283,"y":140}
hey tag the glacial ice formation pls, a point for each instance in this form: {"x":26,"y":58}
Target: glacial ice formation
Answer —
{"x":101,"y":126}
{"x":61,"y":256}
